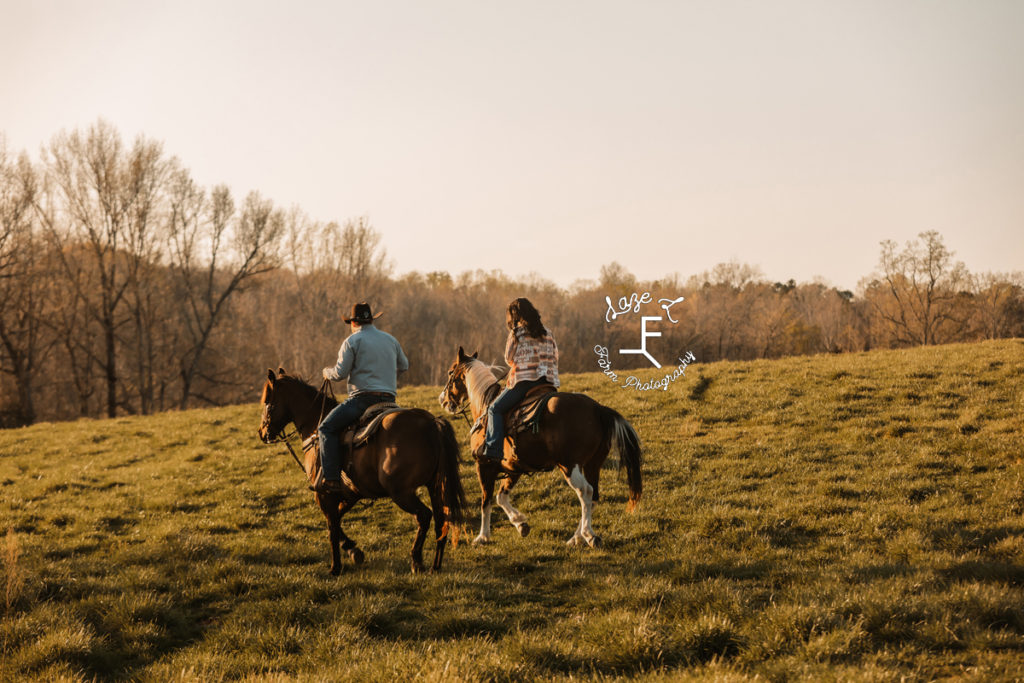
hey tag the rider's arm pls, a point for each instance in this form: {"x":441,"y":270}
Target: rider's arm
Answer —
{"x":510,"y":349}
{"x":346,"y":356}
{"x":402,"y":363}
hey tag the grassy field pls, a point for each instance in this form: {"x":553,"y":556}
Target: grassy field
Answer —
{"x":834,"y":517}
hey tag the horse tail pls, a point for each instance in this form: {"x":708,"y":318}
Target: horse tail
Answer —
{"x":453,"y":497}
{"x":621,"y":434}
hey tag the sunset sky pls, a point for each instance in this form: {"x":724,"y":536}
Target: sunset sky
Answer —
{"x":555,"y":136}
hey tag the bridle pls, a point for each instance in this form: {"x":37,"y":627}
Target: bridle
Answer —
{"x":465,"y":402}
{"x":282,"y":434}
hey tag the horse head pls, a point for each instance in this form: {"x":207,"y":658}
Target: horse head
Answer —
{"x":276,"y":414}
{"x":455,"y":391}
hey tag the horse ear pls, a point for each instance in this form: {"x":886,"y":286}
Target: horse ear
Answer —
{"x":462,"y":354}
{"x":281,"y":372}
{"x":475,"y":354}
{"x":270,"y":375}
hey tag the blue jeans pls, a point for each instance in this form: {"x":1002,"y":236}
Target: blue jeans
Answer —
{"x":494,"y":441}
{"x":334,"y":424}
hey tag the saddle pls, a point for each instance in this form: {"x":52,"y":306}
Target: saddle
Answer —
{"x":521,"y":418}
{"x":526,"y":416}
{"x":355,"y":435}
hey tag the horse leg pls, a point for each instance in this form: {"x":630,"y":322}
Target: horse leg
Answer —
{"x":333,"y":509}
{"x":347,"y":544}
{"x":517,"y":518}
{"x":486,"y":473}
{"x":437,"y":507}
{"x":414,"y":506}
{"x":585,"y":492}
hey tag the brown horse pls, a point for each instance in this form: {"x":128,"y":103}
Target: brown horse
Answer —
{"x":576,"y":433}
{"x":412,"y":449}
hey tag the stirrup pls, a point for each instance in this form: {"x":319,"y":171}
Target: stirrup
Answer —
{"x":480,"y":453}
{"x":499,"y":463}
{"x":330,"y":486}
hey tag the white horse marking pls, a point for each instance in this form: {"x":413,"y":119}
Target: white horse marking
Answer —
{"x":479,"y":378}
{"x":505,"y":502}
{"x":585,"y":492}
{"x":485,"y":525}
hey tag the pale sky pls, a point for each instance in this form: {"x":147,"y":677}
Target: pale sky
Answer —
{"x":667,"y":136}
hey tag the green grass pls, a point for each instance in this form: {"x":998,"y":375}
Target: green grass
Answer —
{"x":834,"y":517}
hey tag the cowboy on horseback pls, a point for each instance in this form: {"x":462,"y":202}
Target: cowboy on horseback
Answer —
{"x":532,"y":355}
{"x":370,"y":359}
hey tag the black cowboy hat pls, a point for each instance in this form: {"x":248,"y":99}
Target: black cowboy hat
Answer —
{"x":362,"y":314}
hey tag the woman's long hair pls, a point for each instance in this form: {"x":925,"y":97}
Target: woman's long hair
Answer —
{"x":522,"y":311}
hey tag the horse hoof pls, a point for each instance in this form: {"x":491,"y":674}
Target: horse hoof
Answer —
{"x":335,"y":571}
{"x":524,"y":529}
{"x":574,"y":542}
{"x":417,"y":568}
{"x":595,"y":542}
{"x":357,"y":555}
{"x":480,"y":540}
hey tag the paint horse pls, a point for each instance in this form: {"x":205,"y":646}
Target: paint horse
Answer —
{"x":575,"y":435}
{"x":412,"y":449}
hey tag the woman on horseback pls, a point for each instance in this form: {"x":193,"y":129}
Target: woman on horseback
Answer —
{"x":532,"y":355}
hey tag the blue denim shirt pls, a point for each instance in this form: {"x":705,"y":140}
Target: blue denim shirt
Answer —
{"x":371,"y":360}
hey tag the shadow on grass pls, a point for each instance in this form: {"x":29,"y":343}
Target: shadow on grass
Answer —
{"x":875,"y":572}
{"x":961,"y":536}
{"x":118,"y":656}
{"x":624,"y":653}
{"x":987,"y":571}
{"x":700,"y":388}
{"x":408,"y":624}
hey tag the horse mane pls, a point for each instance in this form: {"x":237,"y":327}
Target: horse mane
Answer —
{"x":305,"y":389}
{"x":479,"y":377}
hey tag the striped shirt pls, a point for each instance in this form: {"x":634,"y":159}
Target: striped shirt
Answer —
{"x":531,"y":358}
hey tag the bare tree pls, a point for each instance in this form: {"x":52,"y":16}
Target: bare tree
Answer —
{"x":830,"y":313}
{"x":770,"y":314}
{"x":994,"y":298}
{"x":216,"y":252}
{"x":616,"y":279}
{"x":363,"y":262}
{"x":17,"y":194}
{"x":915,"y":293}
{"x":103,"y":231}
{"x":148,"y":292}
{"x":721,"y":313}
{"x":20,"y":281}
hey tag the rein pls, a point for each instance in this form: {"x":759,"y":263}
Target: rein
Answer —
{"x":324,"y":388}
{"x":465,"y":409}
{"x":467,"y":402}
{"x":292,"y":451}
{"x":283,"y":437}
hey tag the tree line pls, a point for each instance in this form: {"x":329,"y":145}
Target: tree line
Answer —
{"x":127,"y":288}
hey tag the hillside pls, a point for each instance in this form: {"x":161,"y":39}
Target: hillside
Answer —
{"x":849,"y":516}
